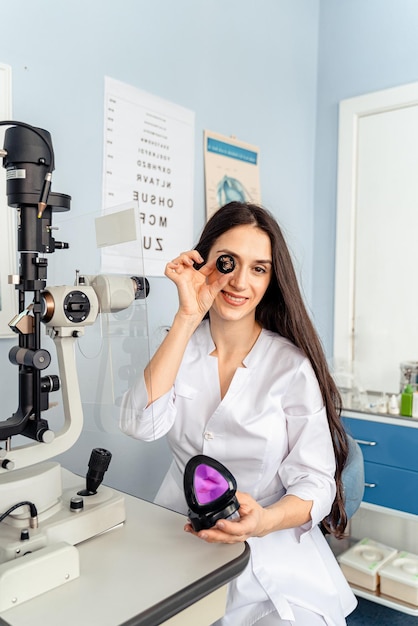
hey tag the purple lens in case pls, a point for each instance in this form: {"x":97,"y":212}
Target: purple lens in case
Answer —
{"x":209,"y":488}
{"x":209,"y":484}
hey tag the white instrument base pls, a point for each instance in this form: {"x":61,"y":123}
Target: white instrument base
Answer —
{"x":40,"y":571}
{"x":47,"y":558}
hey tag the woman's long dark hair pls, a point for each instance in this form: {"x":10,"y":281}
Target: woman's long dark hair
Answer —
{"x":282,"y":310}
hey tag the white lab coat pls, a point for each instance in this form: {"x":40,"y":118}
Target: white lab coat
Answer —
{"x":271,"y":431}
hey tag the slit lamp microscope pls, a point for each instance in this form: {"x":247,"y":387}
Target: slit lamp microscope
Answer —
{"x":44,"y":509}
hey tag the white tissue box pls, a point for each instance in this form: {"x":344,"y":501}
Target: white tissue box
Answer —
{"x":362,"y":562}
{"x":399,"y":577}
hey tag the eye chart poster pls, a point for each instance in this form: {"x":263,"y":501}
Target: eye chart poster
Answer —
{"x":231,"y":171}
{"x":149,"y":160}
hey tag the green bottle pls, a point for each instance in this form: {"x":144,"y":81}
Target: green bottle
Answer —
{"x":406,"y":401}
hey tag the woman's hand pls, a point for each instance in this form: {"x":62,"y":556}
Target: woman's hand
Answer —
{"x":197,"y":289}
{"x":257,"y":521}
{"x":253,"y":522}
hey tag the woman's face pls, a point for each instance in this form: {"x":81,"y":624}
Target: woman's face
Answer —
{"x":250,"y":246}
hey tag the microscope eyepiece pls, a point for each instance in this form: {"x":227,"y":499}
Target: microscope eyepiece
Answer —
{"x":141,"y":287}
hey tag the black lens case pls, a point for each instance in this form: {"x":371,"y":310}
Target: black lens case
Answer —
{"x":225,"y":263}
{"x":209,"y":488}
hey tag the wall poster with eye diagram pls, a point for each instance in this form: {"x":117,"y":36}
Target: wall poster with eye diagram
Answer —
{"x":231,"y":171}
{"x":8,"y":300}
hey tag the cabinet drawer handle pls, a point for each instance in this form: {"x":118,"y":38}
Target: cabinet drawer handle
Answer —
{"x":370,"y":485}
{"x":362,"y":442}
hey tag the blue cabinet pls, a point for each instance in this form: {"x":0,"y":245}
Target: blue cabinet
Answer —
{"x":391,"y":462}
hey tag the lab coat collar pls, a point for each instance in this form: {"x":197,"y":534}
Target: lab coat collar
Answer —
{"x":253,"y":358}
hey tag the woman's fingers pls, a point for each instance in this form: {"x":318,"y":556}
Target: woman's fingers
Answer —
{"x":189,"y":258}
{"x":184,"y":261}
{"x":198,"y":285}
{"x":218,"y":534}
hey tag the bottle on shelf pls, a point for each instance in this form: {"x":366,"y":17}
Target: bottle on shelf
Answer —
{"x":393,"y":405}
{"x":406,"y":401}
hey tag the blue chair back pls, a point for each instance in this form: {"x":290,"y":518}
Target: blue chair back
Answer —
{"x":353,"y":478}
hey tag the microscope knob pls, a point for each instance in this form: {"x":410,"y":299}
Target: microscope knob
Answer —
{"x":48,"y":436}
{"x":76,"y":504}
{"x":8,"y":464}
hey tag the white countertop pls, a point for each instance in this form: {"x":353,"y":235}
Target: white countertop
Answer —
{"x":143,"y":571}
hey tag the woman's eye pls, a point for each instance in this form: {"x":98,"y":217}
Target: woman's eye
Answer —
{"x":260,"y":270}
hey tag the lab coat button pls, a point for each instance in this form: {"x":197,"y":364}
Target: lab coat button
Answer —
{"x":207,"y":435}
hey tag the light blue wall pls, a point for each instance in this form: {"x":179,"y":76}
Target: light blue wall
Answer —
{"x":364,"y":46}
{"x":247,"y":68}
{"x":269,"y":72}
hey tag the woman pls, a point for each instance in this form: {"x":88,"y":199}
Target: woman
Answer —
{"x":241,"y":377}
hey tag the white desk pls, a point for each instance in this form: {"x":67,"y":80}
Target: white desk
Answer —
{"x":141,"y":573}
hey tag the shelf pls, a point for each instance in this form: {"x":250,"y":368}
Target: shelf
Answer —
{"x":338,"y":546}
{"x":383,"y":418}
{"x":388,"y":444}
{"x":392,"y":603}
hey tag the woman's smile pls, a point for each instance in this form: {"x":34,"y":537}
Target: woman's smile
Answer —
{"x":233,"y":299}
